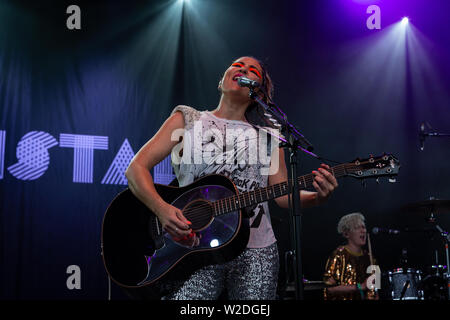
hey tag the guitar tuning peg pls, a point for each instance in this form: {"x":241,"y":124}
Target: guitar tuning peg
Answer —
{"x":392,"y":180}
{"x":275,"y":122}
{"x":378,"y":180}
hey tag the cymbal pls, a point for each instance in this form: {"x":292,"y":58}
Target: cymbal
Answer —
{"x":428,"y":206}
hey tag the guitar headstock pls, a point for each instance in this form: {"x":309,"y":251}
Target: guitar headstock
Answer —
{"x":385,"y":165}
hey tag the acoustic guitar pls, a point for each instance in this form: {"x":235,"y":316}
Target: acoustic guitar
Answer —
{"x":137,"y":252}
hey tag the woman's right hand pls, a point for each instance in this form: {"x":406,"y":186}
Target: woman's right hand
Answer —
{"x":176,"y":225}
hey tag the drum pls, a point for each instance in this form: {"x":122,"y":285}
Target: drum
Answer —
{"x":405,"y":284}
{"x":437,"y":270}
{"x":435,"y":283}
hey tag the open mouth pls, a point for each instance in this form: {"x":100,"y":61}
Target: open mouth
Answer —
{"x":237,"y":76}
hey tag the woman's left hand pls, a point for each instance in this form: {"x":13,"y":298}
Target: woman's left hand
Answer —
{"x":324,"y":183}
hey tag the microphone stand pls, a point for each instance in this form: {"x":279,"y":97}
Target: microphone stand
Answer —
{"x":423,"y":135}
{"x":294,"y":141}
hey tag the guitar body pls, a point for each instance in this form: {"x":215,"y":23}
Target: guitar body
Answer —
{"x":138,"y":254}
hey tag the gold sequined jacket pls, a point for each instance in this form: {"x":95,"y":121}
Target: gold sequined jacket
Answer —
{"x":346,"y":268}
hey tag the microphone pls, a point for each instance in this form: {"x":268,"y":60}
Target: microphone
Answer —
{"x":245,"y":82}
{"x":422,"y":136}
{"x":377,"y":230}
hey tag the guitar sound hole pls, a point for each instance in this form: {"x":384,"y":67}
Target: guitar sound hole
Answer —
{"x":199,"y":212}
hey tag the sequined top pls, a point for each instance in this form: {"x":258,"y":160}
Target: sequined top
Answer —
{"x":346,"y":268}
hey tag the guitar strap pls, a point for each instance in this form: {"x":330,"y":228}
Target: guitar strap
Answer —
{"x":248,"y":211}
{"x":257,"y":221}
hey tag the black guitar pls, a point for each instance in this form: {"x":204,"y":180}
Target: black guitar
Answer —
{"x":138,"y":253}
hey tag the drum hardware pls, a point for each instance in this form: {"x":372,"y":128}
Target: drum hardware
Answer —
{"x":439,"y":276}
{"x":435,"y":283}
{"x":315,"y":285}
{"x":435,"y":287}
{"x":438,"y":270}
{"x":446,"y":239}
{"x":429,"y":207}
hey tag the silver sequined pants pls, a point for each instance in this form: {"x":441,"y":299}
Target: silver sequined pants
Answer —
{"x":253,"y":275}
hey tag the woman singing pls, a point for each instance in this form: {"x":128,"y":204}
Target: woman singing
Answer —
{"x":254,"y":273}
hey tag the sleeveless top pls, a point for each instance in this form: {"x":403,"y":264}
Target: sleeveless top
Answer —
{"x":212,"y":145}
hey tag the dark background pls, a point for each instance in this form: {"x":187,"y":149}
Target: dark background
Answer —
{"x":352,"y":91}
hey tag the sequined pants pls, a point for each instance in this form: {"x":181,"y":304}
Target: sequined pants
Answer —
{"x":253,"y":275}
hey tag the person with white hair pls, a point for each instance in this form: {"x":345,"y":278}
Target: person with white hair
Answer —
{"x":346,"y":268}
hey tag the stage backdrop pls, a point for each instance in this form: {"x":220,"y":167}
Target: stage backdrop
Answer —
{"x":82,"y":89}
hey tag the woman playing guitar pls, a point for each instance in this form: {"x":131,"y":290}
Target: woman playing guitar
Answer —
{"x":253,"y":273}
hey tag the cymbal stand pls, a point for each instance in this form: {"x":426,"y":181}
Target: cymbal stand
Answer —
{"x":446,"y":237}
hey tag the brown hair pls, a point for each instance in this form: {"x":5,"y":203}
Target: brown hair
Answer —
{"x":254,"y":112}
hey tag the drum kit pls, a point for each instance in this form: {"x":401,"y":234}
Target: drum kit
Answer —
{"x":411,"y":284}
{"x":406,"y":283}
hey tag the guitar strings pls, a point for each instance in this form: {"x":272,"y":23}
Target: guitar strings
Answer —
{"x":200,"y":211}
{"x":226,"y":203}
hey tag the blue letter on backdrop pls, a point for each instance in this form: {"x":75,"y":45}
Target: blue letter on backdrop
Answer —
{"x":116,"y":171}
{"x":83,"y":158}
{"x":32,"y":153}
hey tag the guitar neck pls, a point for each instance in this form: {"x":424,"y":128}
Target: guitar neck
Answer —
{"x":250,"y":198}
